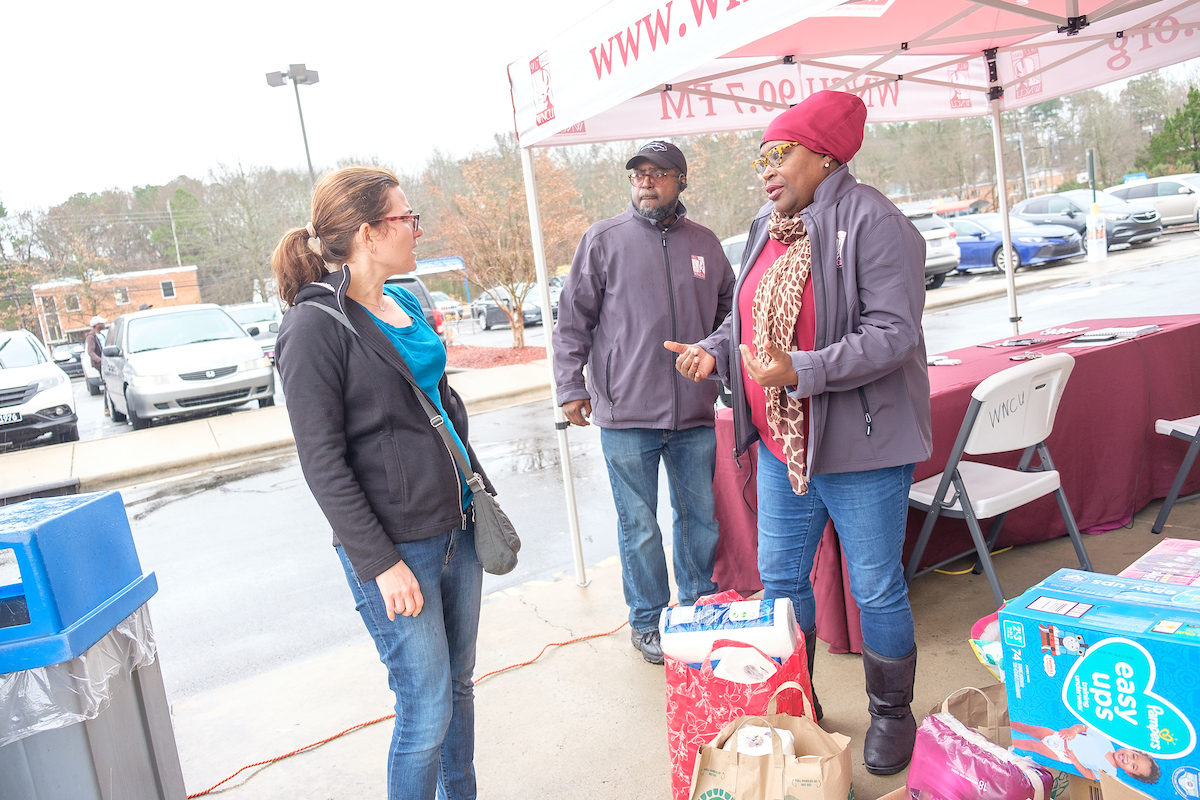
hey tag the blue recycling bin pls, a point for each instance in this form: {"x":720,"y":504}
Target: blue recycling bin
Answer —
{"x":79,"y":674}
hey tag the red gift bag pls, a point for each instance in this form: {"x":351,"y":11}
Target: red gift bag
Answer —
{"x":699,"y":705}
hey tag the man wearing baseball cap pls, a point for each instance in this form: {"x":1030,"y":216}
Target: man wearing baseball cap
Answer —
{"x":92,"y":344}
{"x":643,"y":277}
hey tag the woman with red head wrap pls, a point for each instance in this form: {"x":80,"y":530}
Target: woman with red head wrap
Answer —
{"x":825,"y":358}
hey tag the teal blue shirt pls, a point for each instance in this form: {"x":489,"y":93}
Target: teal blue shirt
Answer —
{"x":422,"y":350}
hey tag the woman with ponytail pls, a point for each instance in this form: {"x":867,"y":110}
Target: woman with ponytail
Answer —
{"x":398,"y":505}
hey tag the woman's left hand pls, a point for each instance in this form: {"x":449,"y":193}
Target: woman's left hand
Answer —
{"x":774,"y":369}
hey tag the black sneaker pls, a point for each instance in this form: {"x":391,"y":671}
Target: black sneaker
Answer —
{"x":649,"y":644}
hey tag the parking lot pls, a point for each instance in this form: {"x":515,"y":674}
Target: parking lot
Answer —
{"x":959,"y":288}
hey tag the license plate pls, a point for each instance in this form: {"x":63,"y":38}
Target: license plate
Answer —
{"x":10,"y":417}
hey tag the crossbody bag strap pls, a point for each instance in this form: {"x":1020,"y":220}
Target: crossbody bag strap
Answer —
{"x":435,"y":419}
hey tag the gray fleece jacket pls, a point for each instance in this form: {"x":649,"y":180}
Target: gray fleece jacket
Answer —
{"x":866,"y":375}
{"x":633,"y":285}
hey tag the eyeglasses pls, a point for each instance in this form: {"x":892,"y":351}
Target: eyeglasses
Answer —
{"x":1028,"y":355}
{"x":774,"y":157}
{"x":414,"y":219}
{"x":655,"y":178}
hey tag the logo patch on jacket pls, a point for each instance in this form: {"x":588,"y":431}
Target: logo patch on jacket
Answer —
{"x":698,"y":266}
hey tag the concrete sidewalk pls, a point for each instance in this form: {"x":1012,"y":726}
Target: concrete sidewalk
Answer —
{"x":587,"y":718}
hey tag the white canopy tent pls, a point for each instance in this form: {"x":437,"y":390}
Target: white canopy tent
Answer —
{"x":639,"y":69}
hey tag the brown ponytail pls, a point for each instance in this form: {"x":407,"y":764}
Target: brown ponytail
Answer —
{"x":295,"y":264}
{"x":341,"y":202}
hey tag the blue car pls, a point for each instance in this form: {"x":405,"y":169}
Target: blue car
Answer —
{"x":981,"y":241}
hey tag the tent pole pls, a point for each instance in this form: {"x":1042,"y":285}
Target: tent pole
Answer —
{"x":560,"y":420}
{"x":1002,"y":188}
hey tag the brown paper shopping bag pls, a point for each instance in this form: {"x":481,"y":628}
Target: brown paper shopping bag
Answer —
{"x":820,"y":770}
{"x":985,"y":710}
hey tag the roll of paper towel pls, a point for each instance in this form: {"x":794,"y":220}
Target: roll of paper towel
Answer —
{"x":688,"y":632}
{"x":742,"y":665}
{"x":753,"y":740}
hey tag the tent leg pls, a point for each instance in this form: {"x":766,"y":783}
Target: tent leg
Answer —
{"x":560,"y":421}
{"x":1010,"y":276}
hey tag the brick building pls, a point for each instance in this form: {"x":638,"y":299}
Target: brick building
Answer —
{"x":64,"y":306}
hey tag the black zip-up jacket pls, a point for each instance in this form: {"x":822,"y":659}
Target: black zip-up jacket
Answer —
{"x":378,"y":470}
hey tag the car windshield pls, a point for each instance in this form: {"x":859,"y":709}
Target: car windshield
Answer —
{"x":441,"y":297}
{"x":928,"y":222}
{"x":1194,"y":180}
{"x":248,"y":315}
{"x":1083,"y":197}
{"x":19,"y":351}
{"x":176,"y":330}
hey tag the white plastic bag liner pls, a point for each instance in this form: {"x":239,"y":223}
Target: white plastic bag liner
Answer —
{"x":60,"y":695}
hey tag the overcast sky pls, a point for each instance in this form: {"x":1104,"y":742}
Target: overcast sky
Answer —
{"x":120,"y":94}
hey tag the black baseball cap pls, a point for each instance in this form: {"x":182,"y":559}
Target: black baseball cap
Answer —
{"x":662,"y":154}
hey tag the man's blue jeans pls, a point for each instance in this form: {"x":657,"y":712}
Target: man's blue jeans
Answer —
{"x":430,"y":659}
{"x":869,"y":511}
{"x":632,"y":456}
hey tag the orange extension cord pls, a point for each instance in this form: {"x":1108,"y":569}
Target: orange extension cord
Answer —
{"x":315,"y":745}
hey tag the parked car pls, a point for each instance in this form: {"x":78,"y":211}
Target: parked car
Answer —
{"x":68,"y":357}
{"x":734,"y":246}
{"x":36,"y":399}
{"x":433,"y":314}
{"x":941,"y":251}
{"x":1124,"y":223}
{"x":1176,"y":198}
{"x":260,"y":320}
{"x":169,"y":361}
{"x":450,"y":308}
{"x":488,"y":313}
{"x":981,"y":242}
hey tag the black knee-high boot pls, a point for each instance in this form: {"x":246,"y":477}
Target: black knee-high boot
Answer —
{"x":810,"y":649}
{"x":888,"y":746}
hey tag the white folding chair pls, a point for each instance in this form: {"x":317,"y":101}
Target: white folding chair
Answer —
{"x":1011,"y":410}
{"x":1187,"y":429}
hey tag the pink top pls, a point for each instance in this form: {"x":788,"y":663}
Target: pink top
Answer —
{"x":806,"y":328}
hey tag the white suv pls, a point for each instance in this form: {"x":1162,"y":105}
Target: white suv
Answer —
{"x":35,"y":394}
{"x":1176,"y":198}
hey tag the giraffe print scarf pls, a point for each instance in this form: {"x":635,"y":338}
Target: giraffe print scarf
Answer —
{"x":776,"y":308}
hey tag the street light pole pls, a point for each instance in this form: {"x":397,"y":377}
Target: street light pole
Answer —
{"x":299,"y":74}
{"x":304,"y":133}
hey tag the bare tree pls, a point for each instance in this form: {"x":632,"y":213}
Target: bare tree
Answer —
{"x":486,"y":222}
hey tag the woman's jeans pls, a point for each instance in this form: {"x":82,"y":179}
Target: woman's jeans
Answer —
{"x":869,"y":511}
{"x":632,"y":456}
{"x":430,"y":659}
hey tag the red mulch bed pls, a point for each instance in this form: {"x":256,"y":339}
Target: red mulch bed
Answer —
{"x":466,"y":357}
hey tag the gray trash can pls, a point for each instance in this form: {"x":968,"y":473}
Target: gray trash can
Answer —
{"x":83,"y":712}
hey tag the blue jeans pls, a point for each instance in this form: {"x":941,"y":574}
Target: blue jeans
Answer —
{"x":632,"y":456}
{"x":430,"y":659}
{"x":869,"y":511}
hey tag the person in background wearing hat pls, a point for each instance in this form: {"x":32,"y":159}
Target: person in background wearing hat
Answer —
{"x":825,"y":358}
{"x":94,"y":348}
{"x":638,"y":278}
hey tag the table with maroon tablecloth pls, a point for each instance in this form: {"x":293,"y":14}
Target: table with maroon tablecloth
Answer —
{"x":1104,"y":446}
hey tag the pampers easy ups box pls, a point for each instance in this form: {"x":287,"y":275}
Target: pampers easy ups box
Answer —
{"x":1103,"y":676}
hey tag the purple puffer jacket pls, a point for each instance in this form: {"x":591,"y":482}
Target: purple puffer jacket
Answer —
{"x":866,"y":374}
{"x":634,"y":285}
